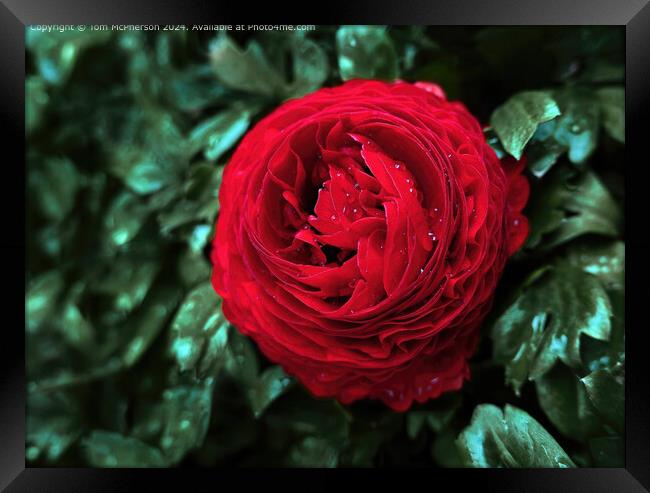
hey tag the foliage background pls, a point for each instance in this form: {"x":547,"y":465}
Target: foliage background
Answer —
{"x":129,"y":360}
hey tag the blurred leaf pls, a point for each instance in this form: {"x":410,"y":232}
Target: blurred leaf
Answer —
{"x":608,"y":451}
{"x":297,"y":417}
{"x":606,"y":389}
{"x":605,"y":260}
{"x":612,"y":106}
{"x":186,"y":413}
{"x":313,"y":452}
{"x":563,"y":399}
{"x":148,"y":323}
{"x":127,"y":281}
{"x":56,"y":52}
{"x":310,"y":67}
{"x":219,"y":133}
{"x":53,"y":183}
{"x":36,"y":101}
{"x":367,"y":435}
{"x":124,"y":218}
{"x":76,"y":329}
{"x":517,"y":119}
{"x":241,"y":360}
{"x":272,"y":383}
{"x":602,"y":71}
{"x":41,"y":298}
{"x":52,"y":425}
{"x":566,"y":206}
{"x":444,"y":450}
{"x":366,"y":52}
{"x":150,"y":152}
{"x":545,"y":324}
{"x":577,"y":127}
{"x":199,"y":332}
{"x":244,"y":70}
{"x":508,"y":439}
{"x":108,"y":449}
{"x":441,"y":411}
{"x":199,"y":200}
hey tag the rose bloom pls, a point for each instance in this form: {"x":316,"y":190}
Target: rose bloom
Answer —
{"x":361,"y":235}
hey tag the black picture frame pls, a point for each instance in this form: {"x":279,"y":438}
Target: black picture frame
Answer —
{"x":15,"y":15}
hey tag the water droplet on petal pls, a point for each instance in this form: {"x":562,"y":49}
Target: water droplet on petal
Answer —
{"x":397,"y":165}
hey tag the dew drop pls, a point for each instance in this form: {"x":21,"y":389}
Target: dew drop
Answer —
{"x":411,"y":190}
{"x":397,"y":165}
{"x":516,"y":222}
{"x":333,"y":217}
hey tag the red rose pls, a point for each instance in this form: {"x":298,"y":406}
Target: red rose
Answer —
{"x":362,"y":232}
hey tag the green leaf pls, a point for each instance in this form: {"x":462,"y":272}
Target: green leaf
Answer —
{"x":612,"y":106}
{"x":298,"y":416}
{"x":366,"y":52}
{"x":543,"y":150}
{"x":148,"y":323}
{"x":545,"y":324}
{"x":241,"y":360}
{"x":124,"y":218}
{"x":444,"y":449}
{"x":199,"y":201}
{"x":604,"y":259}
{"x":195,"y":88}
{"x":149,"y":152}
{"x":437,"y":417}
{"x":41,"y":298}
{"x":566,"y":206}
{"x":199,"y":331}
{"x":608,"y":451}
{"x":147,"y":177}
{"x":310,"y":67}
{"x":186,"y":416}
{"x":606,"y":389}
{"x":577,"y":128}
{"x":367,"y":435}
{"x":54,"y":184}
{"x":76,"y":329}
{"x":272,"y":383}
{"x":563,"y":399}
{"x":108,"y":449}
{"x":218,"y":134}
{"x":36,"y":100}
{"x":127,"y":281}
{"x":52,"y":425}
{"x":508,"y":439}
{"x":517,"y":119}
{"x":56,"y":52}
{"x":313,"y":452}
{"x":246,"y":70}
